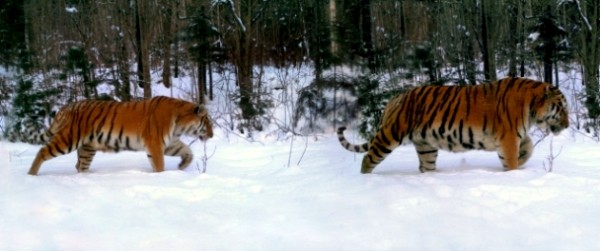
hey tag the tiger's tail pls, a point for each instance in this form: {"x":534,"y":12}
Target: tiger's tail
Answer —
{"x":379,"y":147}
{"x":33,"y":132}
{"x":38,"y":136}
{"x":362,"y":148}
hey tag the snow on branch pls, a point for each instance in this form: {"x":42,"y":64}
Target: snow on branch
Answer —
{"x":231,"y":5}
{"x":71,"y":9}
{"x":585,"y":20}
{"x":583,"y":17}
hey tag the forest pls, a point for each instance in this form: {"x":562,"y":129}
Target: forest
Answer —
{"x":359,"y":52}
{"x":277,"y":78}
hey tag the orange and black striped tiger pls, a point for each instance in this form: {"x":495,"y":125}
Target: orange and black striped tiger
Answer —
{"x":494,"y":117}
{"x":152,"y":125}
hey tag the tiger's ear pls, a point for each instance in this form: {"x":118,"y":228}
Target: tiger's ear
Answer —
{"x":549,"y":92}
{"x":200,"y":111}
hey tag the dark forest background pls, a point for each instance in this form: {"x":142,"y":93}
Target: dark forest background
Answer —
{"x":63,"y":49}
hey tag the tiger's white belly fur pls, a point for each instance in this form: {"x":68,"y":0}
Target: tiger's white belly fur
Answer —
{"x":455,"y":141}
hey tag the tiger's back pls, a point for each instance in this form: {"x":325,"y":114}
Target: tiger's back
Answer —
{"x":453,"y":118}
{"x":104,"y":125}
{"x":493,"y":117}
{"x":153,"y":125}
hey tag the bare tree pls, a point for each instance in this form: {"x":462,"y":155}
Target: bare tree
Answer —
{"x":489,"y":69}
{"x":167,"y":34}
{"x":243,"y":17}
{"x":589,"y":11}
{"x":142,"y":44}
{"x":583,"y":26}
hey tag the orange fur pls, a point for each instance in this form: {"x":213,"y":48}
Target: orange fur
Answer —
{"x":492,"y":117}
{"x":153,"y":125}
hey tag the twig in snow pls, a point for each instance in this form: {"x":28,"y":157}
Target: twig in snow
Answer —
{"x":204,"y":158}
{"x":550,"y":158}
{"x":304,"y":151}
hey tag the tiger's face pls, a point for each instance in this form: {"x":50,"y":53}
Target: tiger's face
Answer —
{"x":196,"y":123}
{"x":553,"y":114}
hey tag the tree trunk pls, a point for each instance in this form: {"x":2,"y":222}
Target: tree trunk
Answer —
{"x":547,"y":58}
{"x":332,"y":22}
{"x":367,"y":39}
{"x":591,"y":57}
{"x":166,"y":46}
{"x":244,"y":74}
{"x":244,"y":58}
{"x":470,"y":63}
{"x":488,"y":70}
{"x":468,"y":41}
{"x":548,"y":33}
{"x":210,"y":83}
{"x":123,"y":86}
{"x":201,"y":82}
{"x":143,"y":66}
{"x":402,"y":21}
{"x":513,"y":40}
{"x":590,"y":79}
{"x":556,"y":80}
{"x":522,"y":38}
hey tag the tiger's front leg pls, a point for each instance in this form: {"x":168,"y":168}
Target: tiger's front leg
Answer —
{"x":178,"y":148}
{"x":508,"y":152}
{"x":525,"y":150}
{"x":156,"y":156}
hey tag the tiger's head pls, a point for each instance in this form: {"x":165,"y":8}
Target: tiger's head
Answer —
{"x":552,"y":113}
{"x":194,"y":121}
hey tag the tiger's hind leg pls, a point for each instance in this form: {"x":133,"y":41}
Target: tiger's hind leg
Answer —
{"x":42,"y":155}
{"x":85,"y":155}
{"x":525,"y":150}
{"x":178,"y":148}
{"x":380,"y":147}
{"x":427,"y":157}
{"x":58,"y":145}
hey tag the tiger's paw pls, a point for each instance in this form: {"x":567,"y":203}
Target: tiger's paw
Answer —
{"x":185,"y":161}
{"x":366,"y":170}
{"x":425,"y":169}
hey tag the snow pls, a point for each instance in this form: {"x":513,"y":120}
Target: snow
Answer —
{"x":250,"y":199}
{"x":71,"y":9}
{"x":302,"y":193}
{"x":534,"y":36}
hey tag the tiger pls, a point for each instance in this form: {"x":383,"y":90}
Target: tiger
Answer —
{"x":495,"y":116}
{"x":153,"y":125}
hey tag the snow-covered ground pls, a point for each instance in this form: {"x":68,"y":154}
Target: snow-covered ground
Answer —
{"x":302,"y":194}
{"x":249,"y":198}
